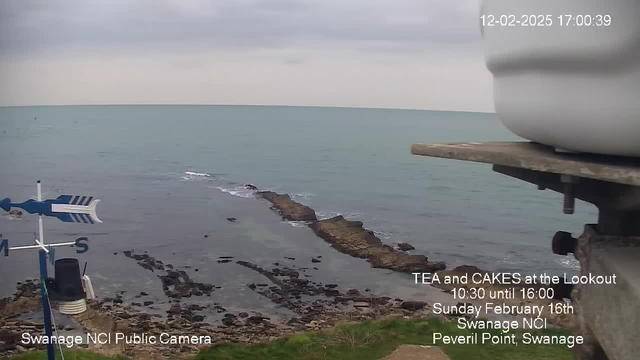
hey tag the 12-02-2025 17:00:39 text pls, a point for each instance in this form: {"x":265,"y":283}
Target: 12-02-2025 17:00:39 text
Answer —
{"x":566,"y":20}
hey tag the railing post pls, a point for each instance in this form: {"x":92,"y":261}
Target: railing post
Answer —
{"x":46,"y":310}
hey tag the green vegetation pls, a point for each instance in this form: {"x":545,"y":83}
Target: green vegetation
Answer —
{"x":68,"y":355}
{"x":364,"y":341}
{"x":373,"y":340}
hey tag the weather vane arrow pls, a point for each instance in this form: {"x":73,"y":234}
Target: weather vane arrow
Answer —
{"x":67,"y":208}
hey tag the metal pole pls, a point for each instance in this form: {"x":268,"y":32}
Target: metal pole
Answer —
{"x":46,"y":310}
{"x":45,"y":305}
{"x":40,"y":229}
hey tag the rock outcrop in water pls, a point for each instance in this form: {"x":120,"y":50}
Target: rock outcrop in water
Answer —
{"x":289,"y":209}
{"x":405,"y":247}
{"x":15,"y":213}
{"x":175,"y":283}
{"x":351,"y":238}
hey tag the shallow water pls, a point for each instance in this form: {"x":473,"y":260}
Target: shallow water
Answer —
{"x":169,"y":175}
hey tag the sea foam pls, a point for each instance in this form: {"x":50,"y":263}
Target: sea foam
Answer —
{"x":239,"y":191}
{"x":192,"y":175}
{"x":298,"y":224}
{"x":303,"y":196}
{"x":572,"y":264}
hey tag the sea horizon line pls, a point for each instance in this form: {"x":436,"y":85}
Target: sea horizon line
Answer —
{"x":250,"y":105}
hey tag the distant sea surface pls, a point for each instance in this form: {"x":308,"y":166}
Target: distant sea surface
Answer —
{"x":169,"y":175}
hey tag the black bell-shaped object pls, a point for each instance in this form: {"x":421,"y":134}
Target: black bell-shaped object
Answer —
{"x":68,"y":281}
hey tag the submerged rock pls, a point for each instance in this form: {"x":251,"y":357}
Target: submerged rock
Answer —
{"x":15,"y":213}
{"x":175,"y":283}
{"x":405,"y":247}
{"x":351,"y":238}
{"x":289,"y":209}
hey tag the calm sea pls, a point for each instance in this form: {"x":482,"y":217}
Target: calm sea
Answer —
{"x":169,"y":175}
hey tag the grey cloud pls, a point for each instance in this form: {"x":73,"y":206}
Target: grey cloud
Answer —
{"x":403,"y":25}
{"x":293,"y":61}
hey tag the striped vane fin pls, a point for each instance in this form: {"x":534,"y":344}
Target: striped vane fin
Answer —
{"x":82,"y":218}
{"x":76,"y":208}
{"x":81,"y":200}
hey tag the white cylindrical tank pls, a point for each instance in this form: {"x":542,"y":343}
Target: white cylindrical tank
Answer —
{"x":567,"y":72}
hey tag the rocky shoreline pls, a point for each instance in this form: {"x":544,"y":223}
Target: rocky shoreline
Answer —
{"x":315,"y":306}
{"x":351,"y":238}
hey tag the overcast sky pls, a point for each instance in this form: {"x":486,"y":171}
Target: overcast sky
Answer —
{"x":418,"y":54}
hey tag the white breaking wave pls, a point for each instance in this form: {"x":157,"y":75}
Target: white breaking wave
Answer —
{"x":569,"y":263}
{"x":383,"y":234}
{"x":352,"y":215}
{"x":298,"y":224}
{"x":322,"y":215}
{"x":192,"y":175}
{"x":239,"y":191}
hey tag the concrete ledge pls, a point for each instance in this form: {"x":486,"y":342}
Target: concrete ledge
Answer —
{"x":538,"y":157}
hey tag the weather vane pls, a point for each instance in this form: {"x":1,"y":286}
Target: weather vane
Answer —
{"x":67,"y":208}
